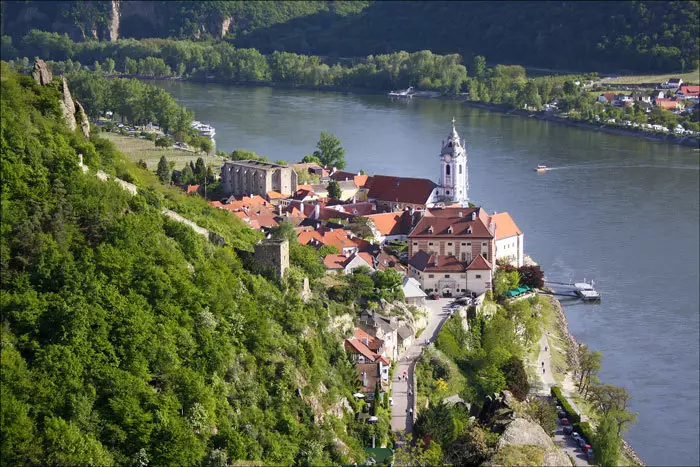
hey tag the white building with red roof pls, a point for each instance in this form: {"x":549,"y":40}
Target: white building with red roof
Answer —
{"x":509,"y":240}
{"x":451,"y":251}
{"x":371,"y":365}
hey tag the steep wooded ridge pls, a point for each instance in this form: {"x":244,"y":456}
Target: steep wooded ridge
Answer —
{"x":129,"y":339}
{"x":585,"y":36}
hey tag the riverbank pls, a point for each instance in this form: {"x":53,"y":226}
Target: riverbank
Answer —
{"x":501,"y":108}
{"x":565,"y":375}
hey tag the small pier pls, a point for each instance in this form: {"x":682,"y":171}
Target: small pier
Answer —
{"x":583,"y":290}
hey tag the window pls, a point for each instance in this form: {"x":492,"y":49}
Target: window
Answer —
{"x":415,"y":243}
{"x":460,"y":169}
{"x":447,"y":276}
{"x":447,"y":170}
{"x":449,"y":244}
{"x":469,"y":244}
{"x":464,"y":244}
{"x":483,"y":244}
{"x":478,"y":276}
{"x":485,"y":255}
{"x":447,"y":192}
{"x":431,"y":275}
{"x":430,"y":244}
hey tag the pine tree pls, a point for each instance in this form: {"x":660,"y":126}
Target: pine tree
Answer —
{"x":163,"y":171}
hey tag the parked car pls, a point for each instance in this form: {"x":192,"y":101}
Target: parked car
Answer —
{"x":586,"y":448}
{"x":568,"y":430}
{"x":561,"y":414}
{"x":565,"y":421}
{"x":581,"y":442}
{"x":575,"y":436}
{"x":590,"y":455}
{"x":434,"y":296}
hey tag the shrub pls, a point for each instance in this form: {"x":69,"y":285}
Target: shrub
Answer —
{"x":516,"y":378}
{"x":586,"y":431}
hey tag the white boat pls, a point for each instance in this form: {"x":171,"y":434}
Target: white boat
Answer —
{"x":541,"y":168}
{"x":203,"y":129}
{"x":586,"y":291}
{"x":407,"y":93}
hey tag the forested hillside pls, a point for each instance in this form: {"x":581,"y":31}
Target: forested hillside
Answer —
{"x":128,"y":339}
{"x":587,"y":36}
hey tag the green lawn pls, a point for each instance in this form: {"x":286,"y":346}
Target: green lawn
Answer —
{"x":135,"y":149}
{"x":692,"y":77}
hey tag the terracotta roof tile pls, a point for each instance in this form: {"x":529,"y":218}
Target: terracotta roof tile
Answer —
{"x":480,"y":264}
{"x":400,"y":189}
{"x":505,"y":226}
{"x":425,"y":262}
{"x":387,"y":223}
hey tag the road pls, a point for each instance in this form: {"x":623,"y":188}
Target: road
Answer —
{"x":403,"y":381}
{"x":567,"y":444}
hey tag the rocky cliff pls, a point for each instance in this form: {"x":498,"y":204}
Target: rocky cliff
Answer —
{"x":73,"y":112}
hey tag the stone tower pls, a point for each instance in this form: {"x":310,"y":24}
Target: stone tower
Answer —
{"x":273,"y":254}
{"x":454,"y":180}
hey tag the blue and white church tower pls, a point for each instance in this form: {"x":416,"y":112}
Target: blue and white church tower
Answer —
{"x":454,"y":180}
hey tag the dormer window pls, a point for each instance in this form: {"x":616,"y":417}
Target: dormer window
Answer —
{"x":474,"y":215}
{"x":469,"y":230}
{"x":450,"y":229}
{"x":430,"y":229}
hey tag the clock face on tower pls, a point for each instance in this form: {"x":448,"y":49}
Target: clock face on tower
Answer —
{"x":448,"y":159}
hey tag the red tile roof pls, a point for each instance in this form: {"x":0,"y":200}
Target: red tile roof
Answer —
{"x":690,"y":90}
{"x":433,"y":226}
{"x":505,"y":226}
{"x":400,"y":189}
{"x":339,"y":261}
{"x":374,"y":343}
{"x":480,"y":264}
{"x":666,"y":103}
{"x":425,"y":262}
{"x":387,"y":223}
{"x":339,"y":238}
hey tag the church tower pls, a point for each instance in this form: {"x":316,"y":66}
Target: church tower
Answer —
{"x":454,"y":181}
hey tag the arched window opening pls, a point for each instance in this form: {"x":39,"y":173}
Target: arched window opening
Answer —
{"x":460,"y":170}
{"x":447,"y":170}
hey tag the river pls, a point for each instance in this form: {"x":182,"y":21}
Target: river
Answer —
{"x":616,"y":209}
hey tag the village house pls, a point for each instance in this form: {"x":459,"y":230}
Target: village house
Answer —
{"x":360,"y":181}
{"x":668,"y":103}
{"x":450,"y":246}
{"x":383,"y":328}
{"x":672,"y":83}
{"x":314,"y":169}
{"x":412,"y":293}
{"x":606,"y":98}
{"x":345,"y":241}
{"x":371,"y":365}
{"x":347,"y":263}
{"x":390,"y":226}
{"x":688,"y":92}
{"x":641,"y":97}
{"x":384,"y":261}
{"x":258,"y":178}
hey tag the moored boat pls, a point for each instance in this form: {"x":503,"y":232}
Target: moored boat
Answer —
{"x":541,"y":168}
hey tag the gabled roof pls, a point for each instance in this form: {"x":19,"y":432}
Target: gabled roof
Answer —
{"x":387,"y":223}
{"x":505,"y":226}
{"x":360,"y":180}
{"x":690,"y":90}
{"x":340,"y":261}
{"x":373,"y":343}
{"x":339,"y":238}
{"x":360,"y":348}
{"x":400,"y":189}
{"x":447,"y":223}
{"x":386,"y":261}
{"x":480,"y":264}
{"x":411,"y":288}
{"x":425,"y":262}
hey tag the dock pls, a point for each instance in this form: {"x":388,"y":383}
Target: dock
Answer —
{"x":582,"y":290}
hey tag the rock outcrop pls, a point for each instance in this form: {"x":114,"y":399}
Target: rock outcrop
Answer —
{"x":113,"y":27}
{"x":68,"y":106}
{"x":81,"y":117}
{"x":41,"y":73}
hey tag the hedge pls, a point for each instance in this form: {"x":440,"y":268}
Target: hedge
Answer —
{"x":572,"y":415}
{"x":585,"y":430}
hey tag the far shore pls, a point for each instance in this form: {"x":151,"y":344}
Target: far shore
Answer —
{"x":544,"y":116}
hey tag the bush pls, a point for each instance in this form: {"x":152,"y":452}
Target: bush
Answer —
{"x":571,"y":414}
{"x":586,"y":431}
{"x":516,"y":378}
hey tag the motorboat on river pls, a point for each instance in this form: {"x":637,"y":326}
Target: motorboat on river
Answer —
{"x":541,"y":168}
{"x":407,"y":93}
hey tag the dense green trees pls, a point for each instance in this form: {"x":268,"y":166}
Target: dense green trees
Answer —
{"x":129,"y":339}
{"x":614,"y":36}
{"x":334,"y":190}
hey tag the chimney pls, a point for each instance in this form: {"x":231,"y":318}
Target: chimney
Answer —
{"x":492,"y":228}
{"x":317,"y":211}
{"x":318,"y":225}
{"x":331,"y":229}
{"x":279,"y":209}
{"x":460,"y":213}
{"x":436,"y":260}
{"x":251,"y":196}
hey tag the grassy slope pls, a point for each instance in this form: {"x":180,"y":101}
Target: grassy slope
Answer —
{"x":136,"y":149}
{"x":692,"y":77}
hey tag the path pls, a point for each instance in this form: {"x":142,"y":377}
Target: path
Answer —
{"x":567,"y":444}
{"x":401,"y":419}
